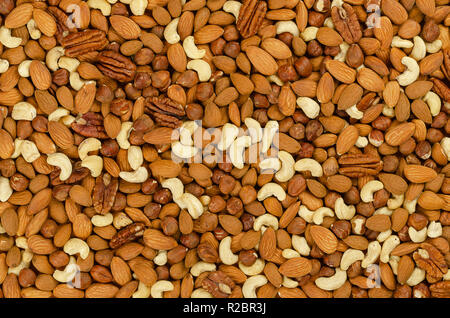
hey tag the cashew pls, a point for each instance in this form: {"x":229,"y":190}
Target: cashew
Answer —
{"x":255,"y":269}
{"x":311,"y":165}
{"x":21,"y":242}
{"x":354,"y":112}
{"x":401,"y":43}
{"x":202,"y":68}
{"x":159,"y":287}
{"x":361,"y":142}
{"x":34,"y":32}
{"x":23,"y":111}
{"x":187,"y":129}
{"x":124,"y":133}
{"x":88,"y":145}
{"x":289,"y":253}
{"x":58,"y":113}
{"x":271,"y":189}
{"x":137,"y":176}
{"x":251,"y":284}
{"x":265,"y":220}
{"x":226,"y":255}
{"x":4,"y":65}
{"x":309,"y":34}
{"x":121,"y":220}
{"x":143,"y":291}
{"x":138,"y":7}
{"x":373,"y":252}
{"x":286,"y":172}
{"x":24,"y":68}
{"x":17,"y":148}
{"x":337,"y":3}
{"x":269,"y":133}
{"x":416,"y":277}
{"x":445,"y":144}
{"x":170,"y":32}
{"x":434,"y":229}
{"x":192,"y":204}
{"x":393,"y":262}
{"x":191,"y":50}
{"x":287,"y":26}
{"x":434,"y":46}
{"x":388,"y":111}
{"x":254,"y":129}
{"x":383,"y":236}
{"x":410,"y":206}
{"x":369,"y":188}
{"x":135,"y":157}
{"x":102,"y":5}
{"x":229,"y":134}
{"x":349,"y":257}
{"x":29,"y":151}
{"x":202,"y":267}
{"x":329,"y":23}
{"x":309,"y":106}
{"x":69,"y":63}
{"x":343,"y":211}
{"x":94,"y":164}
{"x":289,"y":283}
{"x":333,"y":282}
{"x":102,"y":220}
{"x":343,"y":51}
{"x":412,"y":71}
{"x":237,"y":151}
{"x":68,"y":120}
{"x":433,"y":101}
{"x":7,"y":40}
{"x":24,"y":263}
{"x":320,"y":213}
{"x":306,"y":214}
{"x":61,"y":161}
{"x":183,"y":151}
{"x":201,"y":293}
{"x":160,"y":258}
{"x":5,"y":189}
{"x":388,"y":247}
{"x":69,"y":272}
{"x":232,"y":7}
{"x":76,"y":245}
{"x":417,"y":236}
{"x":270,"y":164}
{"x":75,"y":81}
{"x":175,"y":186}
{"x":275,"y":79}
{"x":396,"y":201}
{"x":419,"y":51}
{"x":300,"y":244}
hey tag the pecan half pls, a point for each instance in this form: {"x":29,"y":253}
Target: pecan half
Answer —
{"x":446,"y":65}
{"x":346,"y":22}
{"x":358,"y":165}
{"x":251,"y":16}
{"x":127,"y":234}
{"x":79,"y":43}
{"x":63,"y":24}
{"x":90,"y":125}
{"x":116,"y":66}
{"x":436,"y":256}
{"x":104,"y":193}
{"x":441,"y":289}
{"x":78,"y":174}
{"x":441,"y":89}
{"x":165,"y":111}
{"x":218,"y":284}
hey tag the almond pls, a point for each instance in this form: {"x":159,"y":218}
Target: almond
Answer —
{"x":273,"y":275}
{"x":393,"y":183}
{"x":125,"y":27}
{"x":263,"y":62}
{"x":6,"y":144}
{"x":40,"y":75}
{"x":199,"y":171}
{"x":405,"y":268}
{"x":242,"y":83}
{"x":289,"y":144}
{"x":85,"y":97}
{"x":98,"y":290}
{"x":419,"y":174}
{"x":418,"y":89}
{"x":391,"y":93}
{"x":305,"y":87}
{"x":207,"y":34}
{"x":177,"y":57}
{"x":40,"y":245}
{"x":395,"y":11}
{"x":296,"y":267}
{"x":231,"y":224}
{"x":157,"y":240}
{"x":45,"y":22}
{"x":421,"y":110}
{"x":67,"y":291}
{"x":325,"y":88}
{"x":60,"y":134}
{"x":339,"y":183}
{"x":328,"y":37}
{"x":10,"y":221}
{"x":387,"y":276}
{"x":346,"y":139}
{"x":324,"y":239}
{"x":47,"y":103}
{"x":19,"y":16}
{"x":120,"y":271}
{"x":399,"y":134}
{"x":144,"y":271}
{"x":159,"y":136}
{"x":399,"y":218}
{"x":357,"y":242}
{"x":370,"y":80}
{"x":277,"y":48}
{"x":378,"y":223}
{"x":427,"y":7}
{"x":405,"y":248}
{"x":40,"y":201}
{"x":431,"y":63}
{"x":268,"y":244}
{"x":341,"y":71}
{"x":165,"y":168}
{"x":287,"y":101}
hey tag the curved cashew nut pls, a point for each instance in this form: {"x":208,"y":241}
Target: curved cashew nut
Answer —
{"x":289,"y":283}
{"x":401,"y":43}
{"x":61,"y":160}
{"x":287,"y":26}
{"x":417,"y":236}
{"x":192,"y":204}
{"x":186,"y":130}
{"x":229,"y":134}
{"x":289,"y":253}
{"x":202,"y":68}
{"x":102,"y":220}
{"x":237,"y":151}
{"x":143,"y":291}
{"x":232,"y":7}
{"x":433,"y":101}
{"x":94,"y":164}
{"x":121,"y":220}
{"x":369,"y":189}
{"x":333,"y":282}
{"x":58,"y":113}
{"x":5,"y":189}
{"x":286,"y":172}
{"x":21,"y":242}
{"x":124,"y":133}
{"x":76,"y":245}
{"x":396,"y":201}
{"x":102,"y":5}
{"x":69,"y":272}
{"x":175,"y":186}
{"x":170,"y":32}
{"x":183,"y":151}
{"x":361,"y":142}
{"x":388,"y":247}
{"x":270,"y":164}
{"x":191,"y":50}
{"x":68,"y":63}
{"x":88,"y":145}
{"x":23,"y":111}
{"x":309,"y":34}
{"x":161,"y":258}
{"x":265,"y":220}
{"x":420,"y":50}
{"x":383,"y":236}
{"x":255,"y":269}
{"x":135,"y":157}
{"x":320,"y":213}
{"x":225,"y":253}
{"x":251,"y":284}
{"x":343,"y":211}
{"x":300,"y":244}
{"x":138,"y":7}
{"x":306,"y":214}
{"x":354,"y":112}
{"x":311,"y":165}
{"x":4,"y":65}
{"x":329,"y":23}
{"x":159,"y":287}
{"x":24,"y":68}
{"x":410,"y":206}
{"x":34,"y":32}
{"x":349,"y":257}
{"x":254,"y":129}
{"x":202,"y":267}
{"x":75,"y":81}
{"x":412,"y":71}
{"x":269,"y":133}
{"x":434,"y":46}
{"x":201,"y":293}
{"x":383,"y":211}
{"x":270,"y":189}
{"x":275,"y":79}
{"x":29,"y":151}
{"x":416,"y":277}
{"x":7,"y":40}
{"x":445,"y":144}
{"x":434,"y":229}
{"x":137,"y":176}
{"x":373,"y":252}
{"x":343,"y":49}
{"x":309,"y":106}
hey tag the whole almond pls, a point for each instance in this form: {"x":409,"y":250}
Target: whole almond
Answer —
{"x":85,"y":97}
{"x":378,"y":223}
{"x":177,"y":57}
{"x":341,"y":71}
{"x":45,"y":22}
{"x":393,"y":183}
{"x":346,"y":139}
{"x":419,"y":174}
{"x":40,"y":201}
{"x":125,"y":27}
{"x":19,"y":16}
{"x":399,"y":134}
{"x":277,"y":48}
{"x":287,"y":101}
{"x":6,"y":144}
{"x":60,"y":134}
{"x":324,"y":239}
{"x":157,"y":240}
{"x":261,"y":60}
{"x":405,"y":268}
{"x":268,"y":244}
{"x":296,"y":267}
{"x":207,"y":34}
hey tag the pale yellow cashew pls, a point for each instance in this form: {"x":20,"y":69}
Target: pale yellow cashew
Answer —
{"x":271,"y":189}
{"x":251,"y":284}
{"x":308,"y":164}
{"x":75,"y":246}
{"x":226,"y":255}
{"x":160,"y":287}
{"x":344,"y":211}
{"x":94,"y":163}
{"x":202,"y":68}
{"x":63,"y":162}
{"x":88,"y":145}
{"x":333,"y":282}
{"x":254,"y":269}
{"x":138,"y":176}
{"x":349,"y":257}
{"x":23,"y":111}
{"x":373,"y":252}
{"x":5,"y":189}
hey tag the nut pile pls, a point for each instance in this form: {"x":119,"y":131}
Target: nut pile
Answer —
{"x":103,"y":192}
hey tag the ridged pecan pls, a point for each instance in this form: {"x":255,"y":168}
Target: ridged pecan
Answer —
{"x":436,"y":256}
{"x":116,"y":66}
{"x":104,"y":193}
{"x":165,"y":111}
{"x":358,"y":165}
{"x":251,"y":16}
{"x":63,"y":24}
{"x":441,"y":89}
{"x":79,"y":43}
{"x":90,"y":125}
{"x":428,"y":265}
{"x":78,"y":174}
{"x":218,"y":284}
{"x":441,"y":289}
{"x":446,"y":65}
{"x":127,"y":234}
{"x":346,"y":22}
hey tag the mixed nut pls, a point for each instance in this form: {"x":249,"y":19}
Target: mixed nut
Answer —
{"x":223,"y":148}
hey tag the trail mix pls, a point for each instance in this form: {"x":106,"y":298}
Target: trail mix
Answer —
{"x":222,"y":148}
